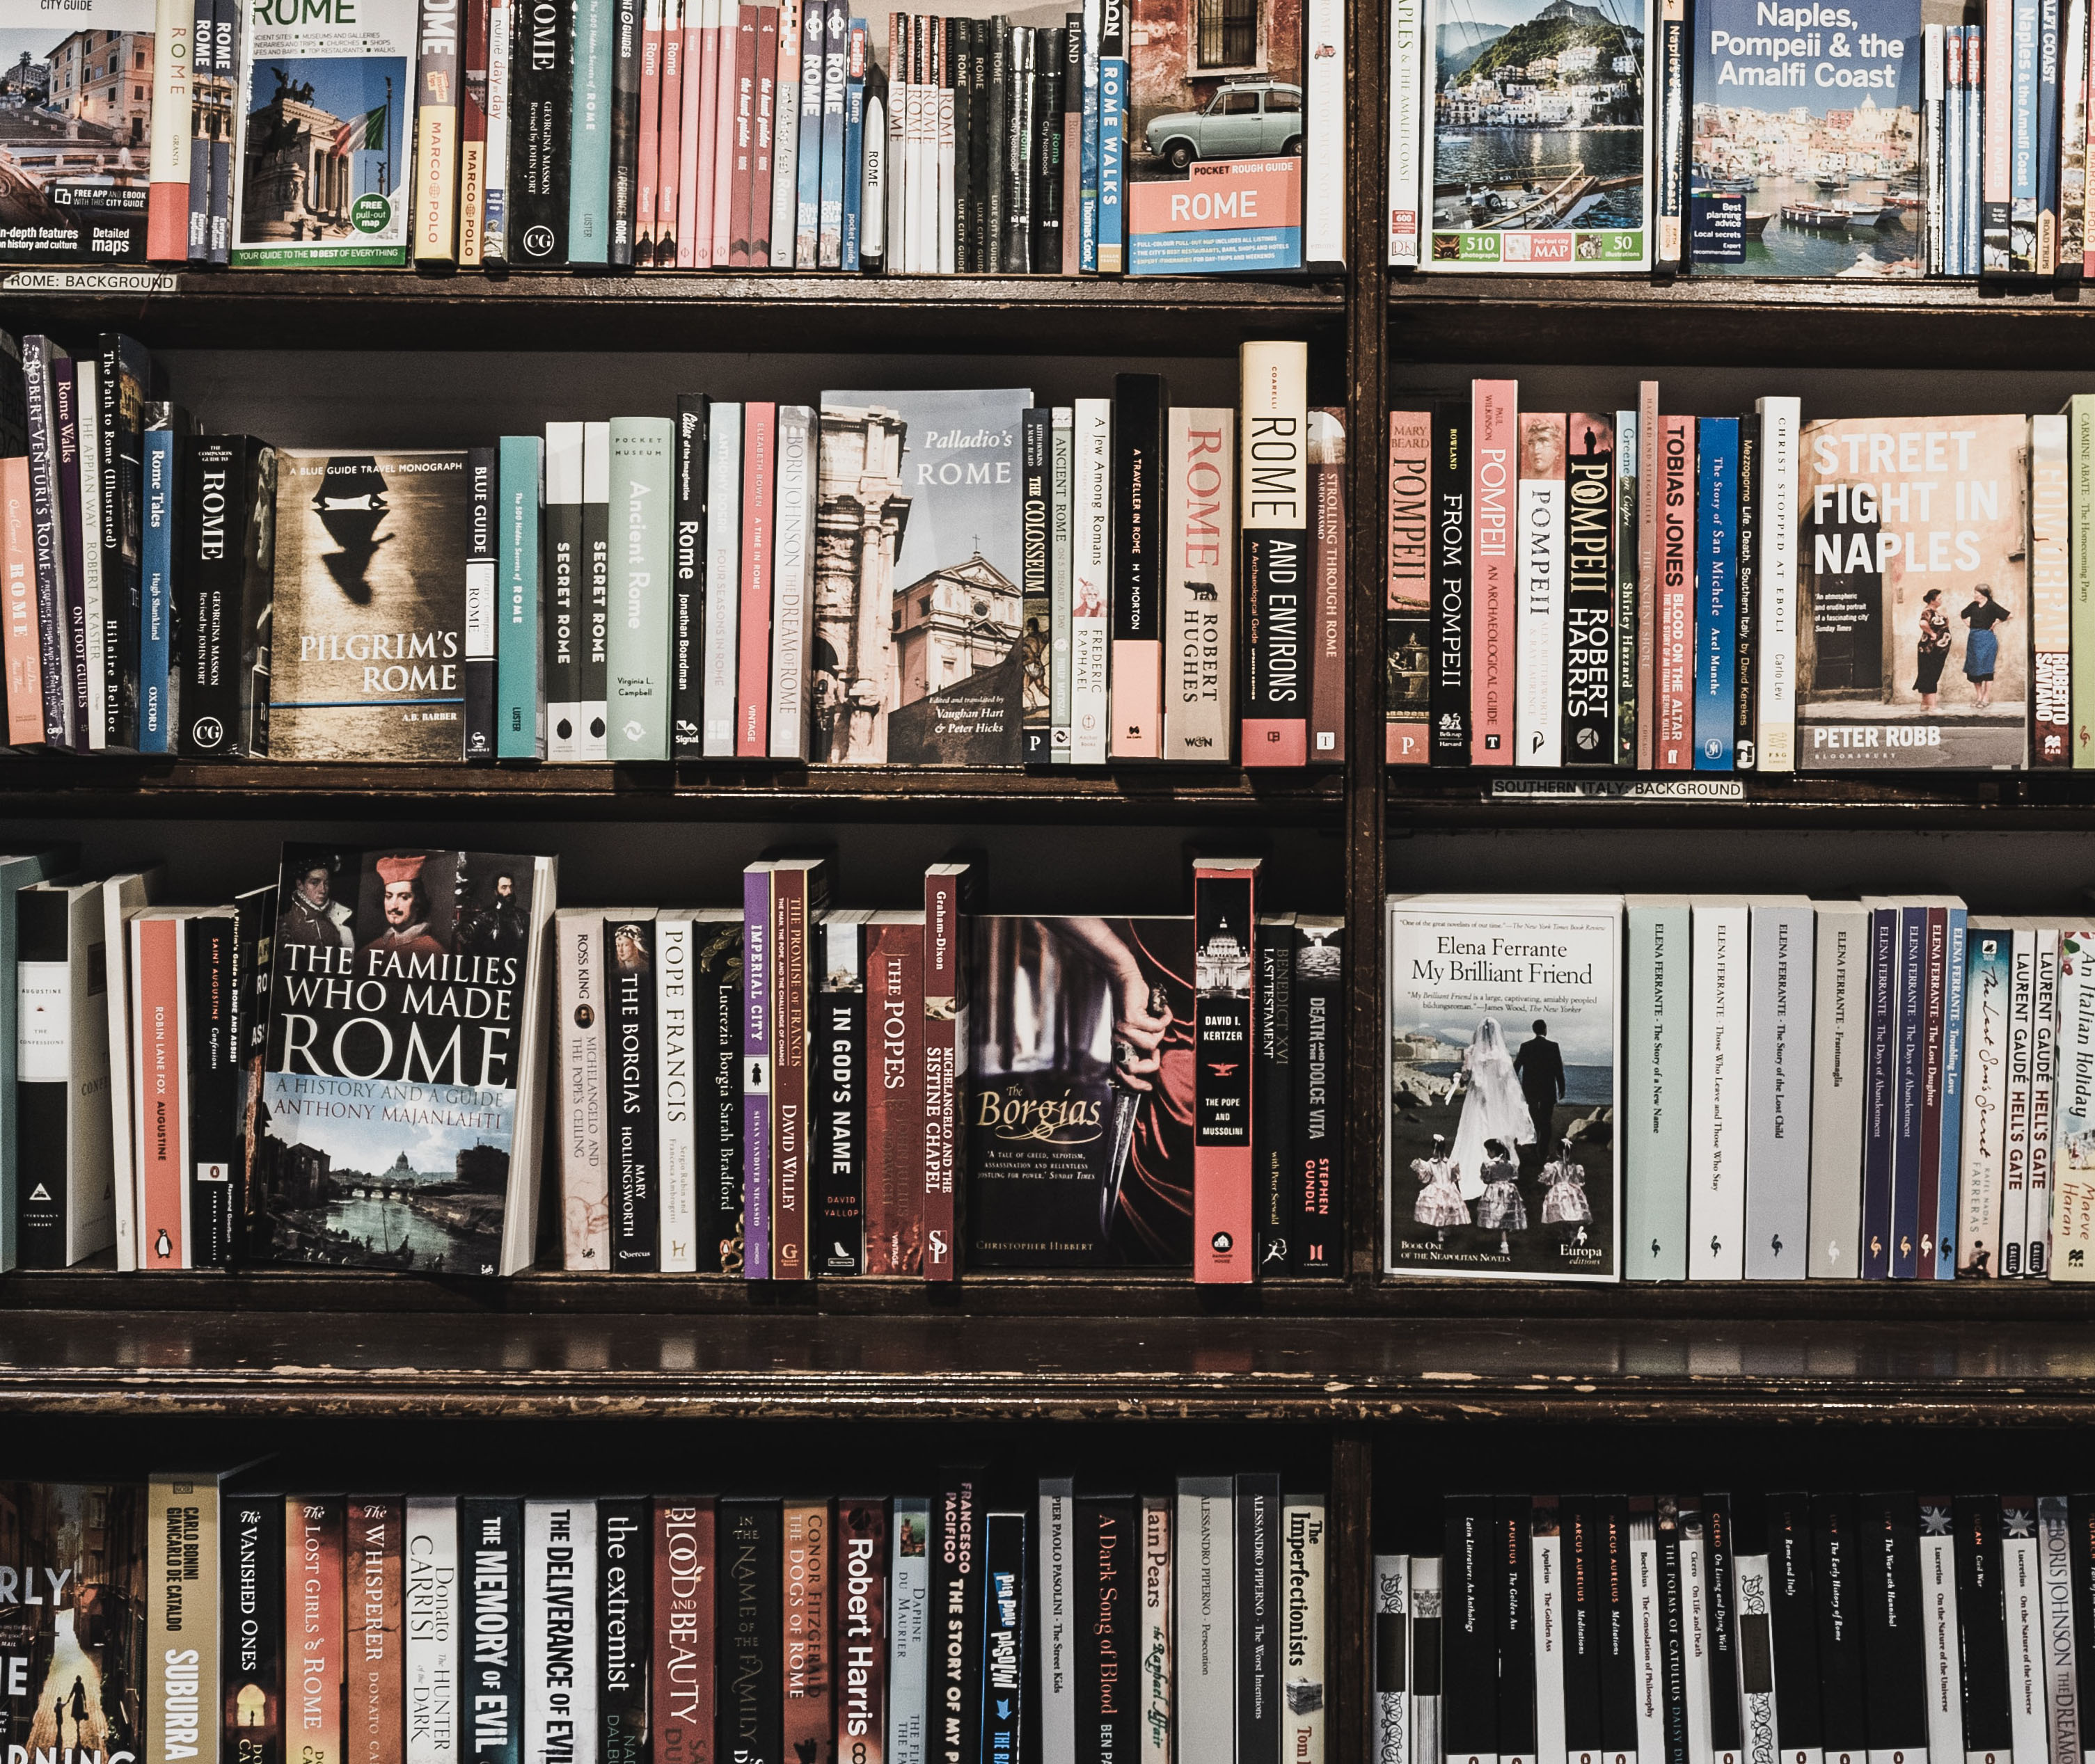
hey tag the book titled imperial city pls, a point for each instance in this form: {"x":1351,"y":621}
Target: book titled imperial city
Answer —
{"x":401,"y":1097}
{"x":1542,"y":110}
{"x":1505,"y":1083}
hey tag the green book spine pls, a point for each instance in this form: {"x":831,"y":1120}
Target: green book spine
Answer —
{"x":2081,"y":463}
{"x":1655,"y":1092}
{"x":636,"y":653}
{"x":519,"y":683}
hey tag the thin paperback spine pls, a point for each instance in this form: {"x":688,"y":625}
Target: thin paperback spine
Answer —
{"x":481,"y":566}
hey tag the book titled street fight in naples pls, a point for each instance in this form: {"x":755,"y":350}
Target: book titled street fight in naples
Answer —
{"x":401,"y":1090}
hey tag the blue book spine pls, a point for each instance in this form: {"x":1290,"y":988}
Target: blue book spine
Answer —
{"x":835,"y":84}
{"x":156,"y":592}
{"x":1953,"y":1101}
{"x":2022,"y":140}
{"x":1088,"y":160}
{"x":808,"y":127}
{"x":1953,"y":145}
{"x":851,"y":168}
{"x":1976,"y":46}
{"x":1877,"y":1097}
{"x":1716,"y":589}
{"x":1907,"y":1098}
{"x":589,"y":162}
{"x":2047,"y":135}
{"x":1113,"y":124}
{"x":519,"y":698}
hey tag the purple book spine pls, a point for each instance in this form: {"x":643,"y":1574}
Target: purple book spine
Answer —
{"x":65,"y":398}
{"x":756,"y":1074}
{"x":47,"y":528}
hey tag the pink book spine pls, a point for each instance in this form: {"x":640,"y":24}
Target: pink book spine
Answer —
{"x":669,"y":235}
{"x":752,"y":726}
{"x":1676,"y":596}
{"x":650,"y":140}
{"x":1494,"y":412}
{"x":695,"y":196}
{"x":724,"y":103}
{"x":1647,"y":608}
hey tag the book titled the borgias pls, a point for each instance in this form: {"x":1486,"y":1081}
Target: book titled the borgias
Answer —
{"x":401,"y":1096}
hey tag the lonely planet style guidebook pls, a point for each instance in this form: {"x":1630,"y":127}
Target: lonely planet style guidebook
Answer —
{"x":1505,"y":1086}
{"x":401,"y":1098}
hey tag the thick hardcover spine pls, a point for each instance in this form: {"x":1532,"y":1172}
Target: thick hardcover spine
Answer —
{"x":861,"y":1629}
{"x":41,"y":360}
{"x":559,"y":1626}
{"x":174,"y":87}
{"x":1317,"y":1057}
{"x":436,"y":195}
{"x":948,"y":889}
{"x":638,"y":649}
{"x":1140,"y":426}
{"x":1494,"y":405}
{"x":1225,"y":954}
{"x":482,"y":569}
{"x":682,"y":1715}
{"x":519,"y":660}
{"x":374,"y":1576}
{"x":1408,"y":603}
{"x":625,"y":1555}
{"x":1274,"y":529}
{"x":632,"y":1165}
{"x":1778,"y":1091}
{"x":1327,"y":550}
{"x":895,"y":1095}
{"x":491,"y":1562}
{"x":809,"y":1671}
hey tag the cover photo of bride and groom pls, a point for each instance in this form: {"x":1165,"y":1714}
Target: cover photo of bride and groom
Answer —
{"x":1505,"y":1136}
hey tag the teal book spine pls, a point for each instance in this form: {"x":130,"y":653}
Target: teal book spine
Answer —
{"x":589,"y":161}
{"x":1655,"y":1103}
{"x":519,"y":695}
{"x":16,"y":874}
{"x":636,"y":653}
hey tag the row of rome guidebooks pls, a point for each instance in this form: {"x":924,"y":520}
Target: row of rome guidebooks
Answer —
{"x":1634,"y":591}
{"x":1714,"y":1630}
{"x":612,"y":135}
{"x":937,"y":578}
{"x":359,"y":1065}
{"x":1886,"y":1088}
{"x":985,"y":1621}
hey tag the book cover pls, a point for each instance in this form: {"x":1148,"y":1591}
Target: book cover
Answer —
{"x":917,"y":654}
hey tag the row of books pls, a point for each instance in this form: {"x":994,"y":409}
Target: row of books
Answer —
{"x":928,"y":578}
{"x":1633,"y":590}
{"x":975,"y":1623}
{"x":1707,"y":1629}
{"x":612,"y":135}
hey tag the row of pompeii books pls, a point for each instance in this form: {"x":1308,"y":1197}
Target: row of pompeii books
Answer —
{"x":354,"y":1067}
{"x":930,"y":578}
{"x":1765,"y":139}
{"x":992,"y":1621}
{"x":609,"y":135}
{"x":1687,"y":1629}
{"x":1632,"y":590}
{"x":1758,"y":1087}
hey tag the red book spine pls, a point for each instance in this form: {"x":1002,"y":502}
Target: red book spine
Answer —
{"x":752,"y":711}
{"x":895,"y":1099}
{"x":861,"y":1645}
{"x":1494,"y":414}
{"x":1648,"y":450}
{"x":1676,"y":596}
{"x":1327,"y":519}
{"x":1224,"y":961}
{"x":671,"y":236}
{"x":810,"y":1725}
{"x":313,"y":1677}
{"x":789,"y":1073}
{"x":727,"y":103}
{"x":648,"y":171}
{"x":944,"y":1064}
{"x":759,"y":175}
{"x":1408,"y":605}
{"x":376,"y":1731}
{"x":18,"y":577}
{"x":745,"y":136}
{"x":473,"y":136}
{"x":160,"y":1131}
{"x":1937,"y":948}
{"x":680,"y":1710}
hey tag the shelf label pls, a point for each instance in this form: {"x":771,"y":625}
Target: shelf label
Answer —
{"x":1559,"y":790}
{"x":109,"y":281}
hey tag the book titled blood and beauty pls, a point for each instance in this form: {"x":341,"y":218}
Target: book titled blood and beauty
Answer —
{"x":399,"y":1121}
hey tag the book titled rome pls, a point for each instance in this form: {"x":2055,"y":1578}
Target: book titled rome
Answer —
{"x":224,"y":574}
{"x":401,"y":1104}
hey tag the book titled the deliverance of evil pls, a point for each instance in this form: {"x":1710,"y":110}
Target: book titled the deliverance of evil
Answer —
{"x":369,"y":624}
{"x":401,"y":1094}
{"x":916,"y":658}
{"x":1505,"y":1080}
{"x":1080,"y":1130}
{"x":1806,"y":138}
{"x":73,"y":1668}
{"x":1541,"y":112}
{"x":1913,"y":638}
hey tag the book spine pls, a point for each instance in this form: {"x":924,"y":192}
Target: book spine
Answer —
{"x":564,"y":574}
{"x":1879,"y":1100}
{"x":776,"y":199}
{"x":589,"y":134}
{"x":719,"y":1139}
{"x":436,"y":198}
{"x":1776,"y":633}
{"x":1004,"y":1602}
{"x":120,"y":394}
{"x":677,"y":1146}
{"x":625,"y":1555}
{"x":861,"y":155}
{"x":66,"y":374}
{"x":1449,"y":694}
{"x":762,"y":168}
{"x":1090,"y":573}
{"x":481,"y":568}
{"x":753,"y":665}
{"x":909,"y":1632}
{"x":1061,"y":561}
{"x":231,"y":30}
{"x":1153,"y":1637}
{"x":2080,"y":621}
{"x":168,"y":155}
{"x":1929,"y":1098}
{"x":1087,"y":165}
{"x":159,"y":1128}
{"x":373,"y":1583}
{"x":790,"y":1144}
{"x":1140,"y":402}
{"x":2073,"y":143}
{"x":250,"y":1593}
{"x":491,"y":1559}
{"x":2046,"y":143}
{"x":1587,"y":659}
{"x":1626,"y":606}
{"x":2051,"y":593}
{"x":756,"y":963}
{"x":1539,"y":625}
{"x":85,"y":552}
{"x":519,"y":654}
{"x":1540,"y":1536}
{"x":861,"y":1630}
{"x":945,"y":1064}
{"x":1671,"y":151}
{"x":214,"y":1087}
{"x":592,"y":728}
{"x":547,"y":57}
{"x":637,"y":667}
{"x":1203,"y":1617}
{"x":895,"y":1106}
{"x":805,"y":123}
{"x":182,"y":1614}
{"x":1036,"y":560}
{"x":43,"y":1080}
{"x":670,"y":236}
{"x":684,"y":1584}
{"x":1949,"y":1147}
{"x":1274,"y":534}
{"x":956,"y":1637}
{"x":2021,"y":1084}
{"x":723,"y":576}
{"x":2044,"y":1053}
{"x":1716,"y":591}
{"x":839,"y":1081}
{"x":1655,"y":1167}
{"x":1406,"y":87}
{"x":18,"y":581}
{"x":1746,"y":601}
{"x":203,"y":35}
{"x":1673,"y":748}
{"x":1225,"y":947}
{"x":1320,"y":1096}
{"x":497,"y":179}
{"x":1051,"y":72}
{"x":40,"y":357}
{"x":157,"y":673}
{"x":1408,"y":606}
{"x":480,"y":16}
{"x":1390,"y":1741}
{"x":559,"y":1626}
{"x":734,"y":118}
{"x":636,"y":90}
{"x":1651,"y":504}
{"x":1327,"y":550}
{"x":1493,"y":600}
{"x":1113,"y":143}
{"x":835,"y":155}
{"x":1998,"y":108}
{"x":1778,"y":1092}
{"x":793,"y":584}
{"x":1273,"y":1076}
{"x":313,"y":1605}
{"x":2061,"y":1690}
{"x":1716,"y":1141}
{"x":633,"y":1171}
{"x":1989,"y":962}
{"x":1933,"y":157}
{"x":1108,"y":1565}
{"x":1056,"y":1637}
{"x":810,"y":1661}
{"x":1839,"y":1016}
{"x":431,"y":1610}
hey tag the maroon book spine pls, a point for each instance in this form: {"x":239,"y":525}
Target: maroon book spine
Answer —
{"x":680,"y":1699}
{"x":372,"y":1584}
{"x":745,"y":137}
{"x":861,"y":1633}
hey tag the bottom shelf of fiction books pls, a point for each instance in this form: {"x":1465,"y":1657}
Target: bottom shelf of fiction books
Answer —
{"x":970,"y":1621}
{"x":353,"y":1065}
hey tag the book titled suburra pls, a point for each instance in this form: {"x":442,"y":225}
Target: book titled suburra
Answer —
{"x":402,"y":1098}
{"x":369,"y":626}
{"x":75,"y":127}
{"x":73,"y":1666}
{"x":1913,"y":634}
{"x":1214,"y":142}
{"x":1541,"y":110}
{"x":1505,"y":1086}
{"x":1807,"y":140}
{"x":1080,"y":1123}
{"x":325,"y":109}
{"x":919,"y":654}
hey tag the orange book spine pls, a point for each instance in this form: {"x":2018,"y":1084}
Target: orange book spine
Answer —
{"x":810,"y":1677}
{"x":372,"y":1584}
{"x":313,"y":1675}
{"x":159,"y":1131}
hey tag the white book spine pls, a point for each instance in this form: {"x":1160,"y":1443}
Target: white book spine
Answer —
{"x":2072,"y":1115}
{"x":1695,"y":1584}
{"x":87,"y":402}
{"x":1058,"y":1622}
{"x":579,"y":1098}
{"x":1062,"y":550}
{"x":791,"y":573}
{"x":592,"y":727}
{"x":1546,"y":1556}
{"x":2022,"y":1072}
{"x":1945,"y":1666}
{"x":1645,"y":1624}
{"x":2043,"y":1066}
{"x":1324,"y":155}
{"x":1778,"y":1091}
{"x":723,"y":575}
{"x":677,"y":1125}
{"x":785,"y":130}
{"x":2022,"y":1585}
{"x":1756,"y":1653}
{"x":564,"y":488}
{"x":494,"y":181}
{"x":1390,"y":1741}
{"x":908,"y":1629}
{"x":919,"y":177}
{"x":1840,"y":1010}
{"x":1092,"y":568}
{"x":1406,"y":76}
{"x":1206,"y":1618}
{"x":1538,"y":725}
{"x":1716,"y":1141}
{"x":896,"y":171}
{"x":2061,"y":1698}
{"x":1154,"y":1644}
{"x":947,"y":239}
{"x":1302,"y":1652}
{"x":559,"y":1631}
{"x":1781,"y":419}
{"x":1423,"y":1675}
{"x":1988,"y":984}
{"x":429,"y":1627}
{"x":1200,"y":586}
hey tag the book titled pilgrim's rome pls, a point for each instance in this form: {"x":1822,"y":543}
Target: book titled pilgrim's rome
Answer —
{"x":401,"y":1100}
{"x":1505,"y":1086}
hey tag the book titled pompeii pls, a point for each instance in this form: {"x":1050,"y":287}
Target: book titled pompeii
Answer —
{"x":1505,"y":1083}
{"x":400,"y":1080}
{"x":918,"y":656}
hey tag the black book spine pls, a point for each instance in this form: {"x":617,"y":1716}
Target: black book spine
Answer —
{"x":1793,"y":1606}
{"x":228,"y":491}
{"x":1015,"y":251}
{"x":1720,"y":1600}
{"x":256,"y":919}
{"x":636,"y":1200}
{"x":625,"y":132}
{"x":1317,"y":1015}
{"x":65,"y":407}
{"x":1273,"y":1160}
{"x":39,"y":355}
{"x":482,"y":465}
{"x":750,"y":1697}
{"x":214,"y":1075}
{"x":1037,"y":605}
{"x":1982,"y":1631}
{"x":491,"y":1682}
{"x":1886,"y":1580}
{"x":563,"y":575}
{"x":595,"y":584}
{"x":990,"y":185}
{"x":1449,"y":695}
{"x":1140,"y":426}
{"x":964,"y":38}
{"x":1469,"y":1635}
{"x":1106,"y":1579}
{"x":2080,"y":1544}
{"x":687,"y":601}
{"x":1049,"y":72}
{"x":956,"y":1700}
{"x":541,"y":88}
{"x":1514,"y":1587}
{"x":121,"y":390}
{"x":839,"y":1080}
{"x":1841,"y":1703}
{"x":1585,"y":1621}
{"x":1628,"y":604}
{"x":1004,"y":1637}
{"x":1589,"y":598}
{"x":718,"y":1044}
{"x":251,"y":1628}
{"x":625,"y":1549}
{"x":1672,"y":1631}
{"x":1617,"y":1643}
{"x":1745,"y":600}
{"x":43,"y":1075}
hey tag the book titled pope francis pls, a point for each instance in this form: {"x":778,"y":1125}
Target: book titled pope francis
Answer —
{"x":398,"y":1121}
{"x":1505,"y":1084}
